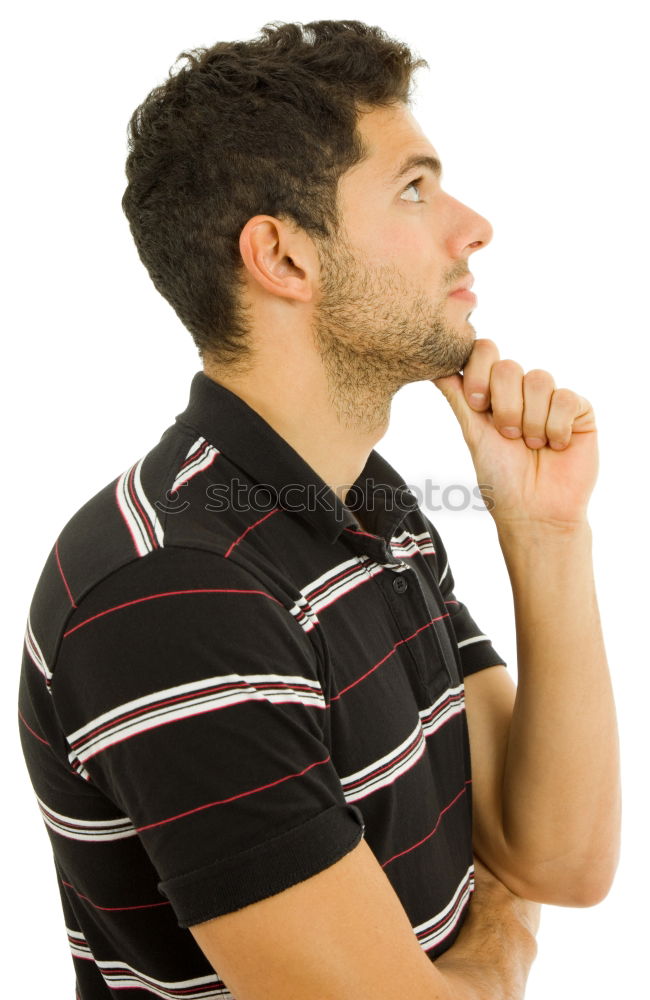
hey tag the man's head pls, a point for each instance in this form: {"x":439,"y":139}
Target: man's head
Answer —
{"x":262,"y":127}
{"x":283,"y":183}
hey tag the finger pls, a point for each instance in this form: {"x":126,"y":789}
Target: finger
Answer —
{"x":476,"y":373}
{"x":538,"y":391}
{"x":506,"y":396}
{"x":565,"y":407}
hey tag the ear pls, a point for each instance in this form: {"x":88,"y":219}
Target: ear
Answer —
{"x":279,"y":257}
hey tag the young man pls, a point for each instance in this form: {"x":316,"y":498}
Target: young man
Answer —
{"x":249,"y":691}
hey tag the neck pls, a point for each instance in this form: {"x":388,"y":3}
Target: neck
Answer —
{"x":333,"y":427}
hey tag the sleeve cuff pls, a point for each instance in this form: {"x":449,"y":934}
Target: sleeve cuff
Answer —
{"x":293,"y":856}
{"x":479,"y":656}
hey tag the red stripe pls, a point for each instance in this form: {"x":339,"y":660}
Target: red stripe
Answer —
{"x":40,"y":738}
{"x":232,"y":798}
{"x":111,"y":909}
{"x":134,"y":497}
{"x":417,"y":742}
{"x":431,"y":832}
{"x":170,"y":593}
{"x":419,"y":739}
{"x":260,"y":686}
{"x":356,"y":531}
{"x":65,"y":582}
{"x":118,"y":499}
{"x":384,"y":658}
{"x":452,"y":912}
{"x":250,"y":528}
{"x":350,"y":571}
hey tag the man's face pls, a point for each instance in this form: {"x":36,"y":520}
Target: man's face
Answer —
{"x":385,"y":316}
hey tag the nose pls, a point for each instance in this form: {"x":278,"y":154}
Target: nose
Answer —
{"x":468,"y":230}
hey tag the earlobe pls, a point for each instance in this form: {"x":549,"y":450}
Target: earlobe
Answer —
{"x":272,"y":254}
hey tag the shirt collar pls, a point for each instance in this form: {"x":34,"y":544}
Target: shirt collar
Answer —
{"x":233,"y":427}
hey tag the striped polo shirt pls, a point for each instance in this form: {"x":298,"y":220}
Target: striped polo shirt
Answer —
{"x":227,"y":681}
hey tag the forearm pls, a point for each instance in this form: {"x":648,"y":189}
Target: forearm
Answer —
{"x":561,"y":783}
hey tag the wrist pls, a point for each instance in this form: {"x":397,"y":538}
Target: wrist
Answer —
{"x":523,"y":540}
{"x":518,"y":528}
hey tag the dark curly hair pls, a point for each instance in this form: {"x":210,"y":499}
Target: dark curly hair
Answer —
{"x":265,"y":126}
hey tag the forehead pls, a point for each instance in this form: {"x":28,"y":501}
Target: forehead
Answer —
{"x":392,"y":136}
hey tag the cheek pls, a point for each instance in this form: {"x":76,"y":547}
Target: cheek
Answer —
{"x":405,"y":246}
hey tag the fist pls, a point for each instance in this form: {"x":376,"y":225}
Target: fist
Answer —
{"x":533,"y":446}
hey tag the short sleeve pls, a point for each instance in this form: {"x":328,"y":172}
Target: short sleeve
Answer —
{"x":474,"y":646}
{"x":192,"y":697}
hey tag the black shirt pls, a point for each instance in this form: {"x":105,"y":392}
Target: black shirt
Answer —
{"x":227,"y":682}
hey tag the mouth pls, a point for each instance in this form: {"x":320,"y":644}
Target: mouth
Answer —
{"x":464,"y":294}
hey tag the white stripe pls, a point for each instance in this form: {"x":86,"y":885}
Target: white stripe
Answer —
{"x":205,"y":987}
{"x":475,"y":638}
{"x":196,"y":706}
{"x":142,"y":497}
{"x":304,"y":615}
{"x":437,"y":716}
{"x":404,"y":545}
{"x":115,"y":975}
{"x":97,"y":830}
{"x":334,"y":571}
{"x":390,"y":776}
{"x":189,"y":471}
{"x":129,"y":513}
{"x":283,"y":693}
{"x":459,"y":899}
{"x":78,"y":766}
{"x":34,"y":651}
{"x":181,"y":689}
{"x":425,"y":543}
{"x":366,"y":570}
{"x":444,"y":573}
{"x":195,"y":447}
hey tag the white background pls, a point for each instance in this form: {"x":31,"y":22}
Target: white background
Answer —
{"x":536,"y":111}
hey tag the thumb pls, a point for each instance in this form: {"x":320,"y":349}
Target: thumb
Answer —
{"x":452,"y":388}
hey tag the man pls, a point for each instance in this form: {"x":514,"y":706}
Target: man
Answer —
{"x":248,"y":684}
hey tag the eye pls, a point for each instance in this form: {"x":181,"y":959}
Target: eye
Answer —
{"x":415,"y":185}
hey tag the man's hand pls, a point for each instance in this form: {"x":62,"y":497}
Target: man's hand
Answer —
{"x":535,"y":446}
{"x":499,"y":925}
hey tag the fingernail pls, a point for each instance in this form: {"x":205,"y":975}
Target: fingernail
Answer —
{"x":477,"y":398}
{"x":512,"y":432}
{"x":535,"y":442}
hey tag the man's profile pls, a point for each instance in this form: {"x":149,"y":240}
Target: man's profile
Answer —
{"x":275,"y":754}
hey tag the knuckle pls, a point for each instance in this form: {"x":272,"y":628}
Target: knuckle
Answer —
{"x":485,"y":344}
{"x":538,"y":377}
{"x":565,"y":397}
{"x":508,"y":367}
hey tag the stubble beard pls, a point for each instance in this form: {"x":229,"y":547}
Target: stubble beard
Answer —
{"x":374,"y":333}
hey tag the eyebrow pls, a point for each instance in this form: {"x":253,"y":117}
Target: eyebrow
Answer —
{"x":429,"y":162}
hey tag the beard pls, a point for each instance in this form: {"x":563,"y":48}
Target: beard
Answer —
{"x":375,"y":332}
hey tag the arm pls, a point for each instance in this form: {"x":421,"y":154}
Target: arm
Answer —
{"x":544,"y":755}
{"x":561,"y":791}
{"x":343,"y":934}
